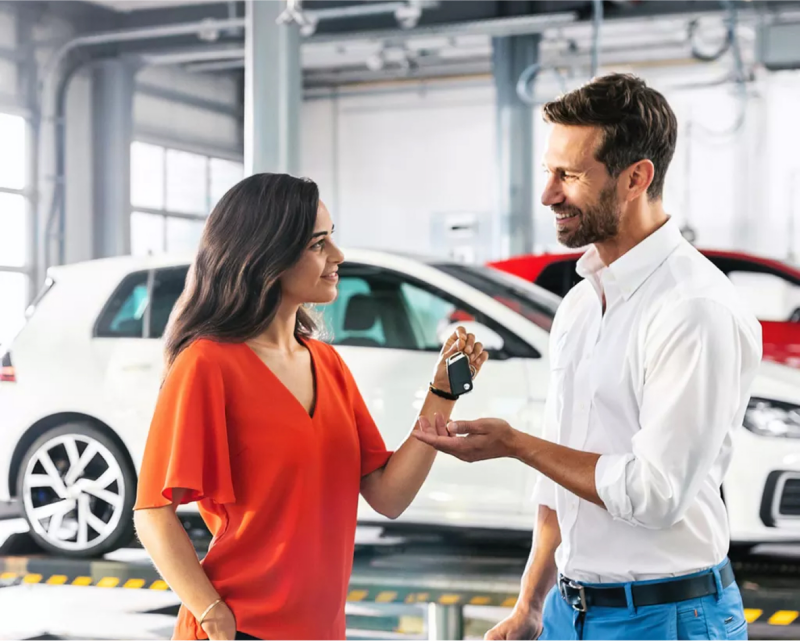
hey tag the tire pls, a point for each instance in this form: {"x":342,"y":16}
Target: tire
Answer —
{"x":70,"y":514}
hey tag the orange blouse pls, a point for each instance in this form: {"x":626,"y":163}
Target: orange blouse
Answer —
{"x":277,"y":488}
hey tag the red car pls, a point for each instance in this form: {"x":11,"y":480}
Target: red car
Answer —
{"x":770,"y":287}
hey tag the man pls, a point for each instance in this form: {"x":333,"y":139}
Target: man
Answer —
{"x":652,"y":359}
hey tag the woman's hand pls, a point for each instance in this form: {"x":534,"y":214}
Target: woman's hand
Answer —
{"x":220,"y":624}
{"x":460,"y":341}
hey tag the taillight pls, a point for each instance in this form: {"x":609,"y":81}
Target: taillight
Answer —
{"x":7,"y":373}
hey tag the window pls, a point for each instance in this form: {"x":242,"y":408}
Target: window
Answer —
{"x":13,"y":157}
{"x":559,"y":277}
{"x":531,"y":301}
{"x":147,"y":176}
{"x":430,"y":315}
{"x":183,"y":235}
{"x":351,"y":319}
{"x":372,"y":310}
{"x":128,"y":311}
{"x":187,"y":183}
{"x":769,"y":293}
{"x":123,"y":316}
{"x":379,"y":308}
{"x":147,"y":233}
{"x":172,"y":193}
{"x":15,"y":225}
{"x":168,"y":285}
{"x":769,"y":296}
{"x":13,"y":300}
{"x":223,"y":175}
{"x":14,"y":240}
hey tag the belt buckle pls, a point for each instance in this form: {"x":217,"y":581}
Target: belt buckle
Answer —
{"x":565,"y":583}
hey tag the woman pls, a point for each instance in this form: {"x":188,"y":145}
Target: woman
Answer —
{"x":266,"y":429}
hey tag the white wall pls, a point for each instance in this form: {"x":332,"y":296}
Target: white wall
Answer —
{"x":400,"y":159}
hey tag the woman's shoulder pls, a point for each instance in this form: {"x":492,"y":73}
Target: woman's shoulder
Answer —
{"x":208,"y":352}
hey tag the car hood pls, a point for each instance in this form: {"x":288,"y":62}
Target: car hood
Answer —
{"x":778,"y":382}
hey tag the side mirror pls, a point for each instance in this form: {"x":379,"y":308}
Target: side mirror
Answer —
{"x":491,"y":340}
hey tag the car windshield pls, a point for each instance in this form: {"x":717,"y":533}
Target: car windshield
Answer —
{"x":534,"y":303}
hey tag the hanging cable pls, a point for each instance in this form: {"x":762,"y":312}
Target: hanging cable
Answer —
{"x":527,"y":81}
{"x":739,"y":77}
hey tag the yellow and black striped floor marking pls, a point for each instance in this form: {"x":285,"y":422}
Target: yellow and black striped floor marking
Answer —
{"x":109,"y":575}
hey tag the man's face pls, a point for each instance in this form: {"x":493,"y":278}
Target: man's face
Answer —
{"x":579,"y":190}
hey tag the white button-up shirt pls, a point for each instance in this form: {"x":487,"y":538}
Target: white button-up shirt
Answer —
{"x":655,"y":384}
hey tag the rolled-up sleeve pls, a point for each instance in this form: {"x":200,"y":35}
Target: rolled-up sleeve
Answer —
{"x":700,"y":362}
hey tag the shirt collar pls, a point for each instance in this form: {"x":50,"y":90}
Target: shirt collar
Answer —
{"x":633,"y":268}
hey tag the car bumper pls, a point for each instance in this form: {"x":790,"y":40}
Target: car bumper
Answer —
{"x":762,"y":487}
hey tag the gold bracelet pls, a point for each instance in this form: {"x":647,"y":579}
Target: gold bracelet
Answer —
{"x":208,"y":609}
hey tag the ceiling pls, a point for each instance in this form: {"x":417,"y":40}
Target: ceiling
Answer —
{"x":127,"y":6}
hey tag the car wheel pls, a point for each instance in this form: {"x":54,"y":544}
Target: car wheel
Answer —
{"x":77,"y":489}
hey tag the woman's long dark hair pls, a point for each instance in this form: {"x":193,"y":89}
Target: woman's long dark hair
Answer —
{"x":257,"y":231}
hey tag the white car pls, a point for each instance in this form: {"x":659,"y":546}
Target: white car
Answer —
{"x":79,"y":383}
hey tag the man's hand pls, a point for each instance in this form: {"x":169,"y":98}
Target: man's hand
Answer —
{"x":519,"y":625}
{"x":486,"y":438}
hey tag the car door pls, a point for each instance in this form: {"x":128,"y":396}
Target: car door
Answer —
{"x":134,"y":323}
{"x":774,"y":298}
{"x":387,"y":327}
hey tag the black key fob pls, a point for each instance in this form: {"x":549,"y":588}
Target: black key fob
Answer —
{"x":459,"y":373}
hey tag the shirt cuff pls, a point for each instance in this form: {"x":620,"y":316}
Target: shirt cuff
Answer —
{"x":544,"y":492}
{"x":610,"y":478}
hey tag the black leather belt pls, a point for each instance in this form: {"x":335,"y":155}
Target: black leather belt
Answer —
{"x":582,"y":597}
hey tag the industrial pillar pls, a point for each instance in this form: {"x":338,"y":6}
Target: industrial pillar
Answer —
{"x":273,"y":90}
{"x":511,"y":56}
{"x":112,"y":109}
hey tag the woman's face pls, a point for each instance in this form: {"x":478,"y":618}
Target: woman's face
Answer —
{"x":314,"y":278}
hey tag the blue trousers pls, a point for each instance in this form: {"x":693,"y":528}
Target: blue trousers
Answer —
{"x":717,"y":616}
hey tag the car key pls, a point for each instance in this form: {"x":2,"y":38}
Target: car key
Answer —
{"x":459,"y":374}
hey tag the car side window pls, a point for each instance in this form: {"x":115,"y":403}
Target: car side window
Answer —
{"x":770,"y":295}
{"x":385,"y":309}
{"x":559,"y":277}
{"x":368,"y":312}
{"x":352,"y":318}
{"x":168,"y":285}
{"x":123,"y":315}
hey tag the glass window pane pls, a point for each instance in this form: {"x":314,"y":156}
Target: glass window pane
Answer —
{"x":13,"y":159}
{"x":13,"y":230}
{"x":224,"y":174}
{"x":147,"y":233}
{"x":124,"y":314}
{"x":147,"y":176}
{"x":769,"y":297}
{"x":187,"y":182}
{"x":352,"y":319}
{"x":167,"y":287}
{"x":13,"y":301}
{"x":430,"y":315}
{"x":183,"y":236}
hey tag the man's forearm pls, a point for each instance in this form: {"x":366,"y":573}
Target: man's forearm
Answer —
{"x":571,"y":469}
{"x":540,"y":572}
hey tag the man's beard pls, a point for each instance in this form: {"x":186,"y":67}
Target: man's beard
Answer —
{"x":595,"y":224}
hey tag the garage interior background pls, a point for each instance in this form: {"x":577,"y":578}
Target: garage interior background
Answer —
{"x":409,"y":121}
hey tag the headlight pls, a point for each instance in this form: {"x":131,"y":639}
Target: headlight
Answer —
{"x":772,"y":418}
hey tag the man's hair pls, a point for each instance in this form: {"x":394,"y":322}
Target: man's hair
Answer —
{"x":637,"y":123}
